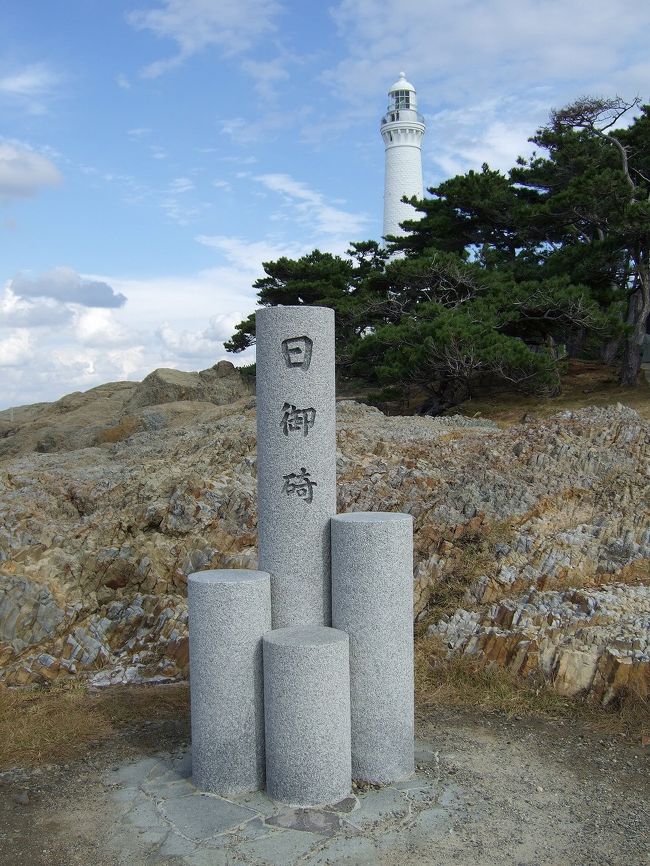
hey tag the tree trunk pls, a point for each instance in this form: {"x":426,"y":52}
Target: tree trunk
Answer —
{"x":637,"y":317}
{"x":448,"y":395}
{"x":631,"y":365}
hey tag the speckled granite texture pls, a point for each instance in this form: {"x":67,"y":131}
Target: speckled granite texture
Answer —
{"x":229,"y":611}
{"x":296,"y":459}
{"x":372,"y":600}
{"x":307,"y":710}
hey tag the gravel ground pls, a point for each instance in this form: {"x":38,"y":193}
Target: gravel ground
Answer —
{"x":494,"y":791}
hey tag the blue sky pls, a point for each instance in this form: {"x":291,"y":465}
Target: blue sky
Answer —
{"x":153,"y":153}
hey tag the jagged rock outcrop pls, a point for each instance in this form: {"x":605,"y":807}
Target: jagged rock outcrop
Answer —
{"x":221,"y":384}
{"x":69,"y":423}
{"x":588,"y":640}
{"x":28,"y":613}
{"x":512,"y":526}
{"x":143,"y":639}
{"x":117,"y":410}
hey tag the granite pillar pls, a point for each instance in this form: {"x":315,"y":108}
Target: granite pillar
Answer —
{"x":372,"y":600}
{"x":296,"y":459}
{"x":307,"y":713}
{"x":229,"y":611}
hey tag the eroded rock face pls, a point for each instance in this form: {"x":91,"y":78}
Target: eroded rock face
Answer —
{"x":113,"y":412}
{"x":69,"y":423}
{"x":28,"y":613}
{"x":543,"y":528}
{"x":221,"y":384}
{"x":143,"y":639}
{"x":587,"y":640}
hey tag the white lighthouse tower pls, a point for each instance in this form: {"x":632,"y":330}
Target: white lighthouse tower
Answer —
{"x":402,"y":129}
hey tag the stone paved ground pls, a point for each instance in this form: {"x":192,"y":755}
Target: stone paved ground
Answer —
{"x":161,"y":815}
{"x":489,"y":791}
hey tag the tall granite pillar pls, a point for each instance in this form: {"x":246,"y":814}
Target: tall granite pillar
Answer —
{"x":229,"y":611}
{"x":372,"y":600}
{"x":296,"y":459}
{"x":307,"y":715}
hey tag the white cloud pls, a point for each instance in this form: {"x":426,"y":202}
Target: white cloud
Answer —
{"x":123,"y":82}
{"x":34,"y":80}
{"x":311,"y":209}
{"x":267,"y":75}
{"x":128,"y":362}
{"x":30,"y":86}
{"x":15,"y":347}
{"x":264,"y":126}
{"x":23,"y":171}
{"x":178,"y":322}
{"x":201,"y":343}
{"x":181,"y":213}
{"x":248,"y":256}
{"x":240,"y":160}
{"x":487,"y":40}
{"x":221,"y":327}
{"x":232,"y":26}
{"x":19,"y":312}
{"x":66,"y":285}
{"x":493,"y":131}
{"x":181,"y":184}
{"x":98,"y":327}
{"x":208,"y":300}
{"x":176,"y":206}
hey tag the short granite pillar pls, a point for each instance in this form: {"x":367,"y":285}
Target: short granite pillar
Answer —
{"x":372,"y":600}
{"x":307,"y":711}
{"x":229,"y":611}
{"x":296,"y":459}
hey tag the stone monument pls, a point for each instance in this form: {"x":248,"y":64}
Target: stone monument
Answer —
{"x":296,"y":459}
{"x":337,"y":702}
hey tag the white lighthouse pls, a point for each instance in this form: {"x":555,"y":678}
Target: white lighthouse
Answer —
{"x":402,"y":129}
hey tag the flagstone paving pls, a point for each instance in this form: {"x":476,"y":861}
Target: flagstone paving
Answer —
{"x":160,"y":817}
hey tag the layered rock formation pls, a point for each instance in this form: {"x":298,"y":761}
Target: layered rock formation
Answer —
{"x":115,"y":411}
{"x":532,"y":543}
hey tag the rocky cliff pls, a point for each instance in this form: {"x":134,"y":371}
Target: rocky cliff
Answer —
{"x":532,"y":543}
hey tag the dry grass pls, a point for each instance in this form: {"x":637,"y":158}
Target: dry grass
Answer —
{"x":59,"y":723}
{"x":633,"y":574}
{"x":586,"y":383}
{"x":464,"y":682}
{"x":62,"y":723}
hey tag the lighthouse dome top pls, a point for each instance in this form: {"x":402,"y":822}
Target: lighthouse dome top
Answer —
{"x":402,"y":84}
{"x":402,"y":97}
